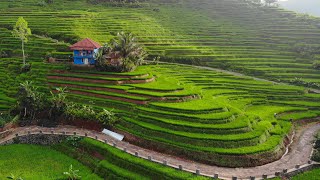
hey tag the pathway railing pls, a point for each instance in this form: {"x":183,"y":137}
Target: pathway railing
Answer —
{"x":145,"y":155}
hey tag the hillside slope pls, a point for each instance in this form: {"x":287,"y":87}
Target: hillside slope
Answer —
{"x":230,"y":34}
{"x":199,"y":114}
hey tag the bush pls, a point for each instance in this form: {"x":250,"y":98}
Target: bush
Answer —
{"x":86,"y":112}
{"x":301,"y":82}
{"x":316,"y":156}
{"x":5,"y":118}
{"x":74,"y":140}
{"x":106,"y":117}
{"x":316,"y":65}
{"x":25,"y":68}
{"x":42,"y":3}
{"x":75,"y":111}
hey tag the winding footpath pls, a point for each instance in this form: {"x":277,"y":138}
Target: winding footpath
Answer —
{"x":299,"y":152}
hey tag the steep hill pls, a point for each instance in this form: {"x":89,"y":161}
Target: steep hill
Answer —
{"x":231,"y":34}
{"x":203,"y":115}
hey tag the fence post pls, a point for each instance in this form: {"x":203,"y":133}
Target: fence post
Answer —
{"x":264,"y":176}
{"x":285,"y":170}
{"x":198,"y":171}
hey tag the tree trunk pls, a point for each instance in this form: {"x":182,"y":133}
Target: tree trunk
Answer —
{"x":23,"y":56}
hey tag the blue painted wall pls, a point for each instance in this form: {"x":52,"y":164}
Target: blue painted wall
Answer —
{"x":80,"y":56}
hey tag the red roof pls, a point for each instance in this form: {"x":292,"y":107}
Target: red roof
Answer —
{"x":86,"y":44}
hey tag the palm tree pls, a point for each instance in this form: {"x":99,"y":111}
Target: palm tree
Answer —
{"x":131,"y":52}
{"x":101,"y":55}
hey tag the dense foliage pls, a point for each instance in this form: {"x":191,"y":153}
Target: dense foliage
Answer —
{"x":36,"y":107}
{"x":123,"y":55}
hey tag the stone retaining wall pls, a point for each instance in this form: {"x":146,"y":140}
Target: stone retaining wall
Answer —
{"x":38,"y":139}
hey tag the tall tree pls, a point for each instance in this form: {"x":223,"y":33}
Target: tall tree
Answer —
{"x":22,"y":31}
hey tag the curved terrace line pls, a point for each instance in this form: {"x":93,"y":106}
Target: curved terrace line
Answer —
{"x":234,"y":74}
{"x":298,"y":156}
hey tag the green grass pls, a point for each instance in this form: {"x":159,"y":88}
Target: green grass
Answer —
{"x":309,"y":175}
{"x":38,"y":163}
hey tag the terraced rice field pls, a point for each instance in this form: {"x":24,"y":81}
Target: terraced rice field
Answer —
{"x":111,"y":163}
{"x":220,"y":33}
{"x":203,"y":115}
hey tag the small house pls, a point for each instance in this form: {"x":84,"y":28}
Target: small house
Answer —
{"x":83,"y":52}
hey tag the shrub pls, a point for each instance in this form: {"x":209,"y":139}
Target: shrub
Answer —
{"x":25,"y":68}
{"x":316,"y":65}
{"x":74,"y":140}
{"x":106,"y":117}
{"x":4,"y":118}
{"x":42,"y":3}
{"x":75,"y":111}
{"x":30,"y":101}
{"x":316,"y":156}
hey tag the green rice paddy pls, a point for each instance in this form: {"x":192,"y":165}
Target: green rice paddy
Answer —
{"x":203,"y":115}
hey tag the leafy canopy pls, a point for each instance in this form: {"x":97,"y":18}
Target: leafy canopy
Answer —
{"x":21,"y":30}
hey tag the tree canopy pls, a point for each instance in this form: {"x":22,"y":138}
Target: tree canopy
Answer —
{"x":122,"y":54}
{"x":22,"y":31}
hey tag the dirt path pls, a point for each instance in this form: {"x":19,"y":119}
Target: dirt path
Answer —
{"x":299,"y":153}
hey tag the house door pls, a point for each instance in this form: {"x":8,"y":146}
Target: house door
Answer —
{"x":86,"y":61}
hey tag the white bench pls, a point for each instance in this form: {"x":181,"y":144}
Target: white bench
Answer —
{"x":113,"y":134}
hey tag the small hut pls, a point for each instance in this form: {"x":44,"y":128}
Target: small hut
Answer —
{"x":83,"y":52}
